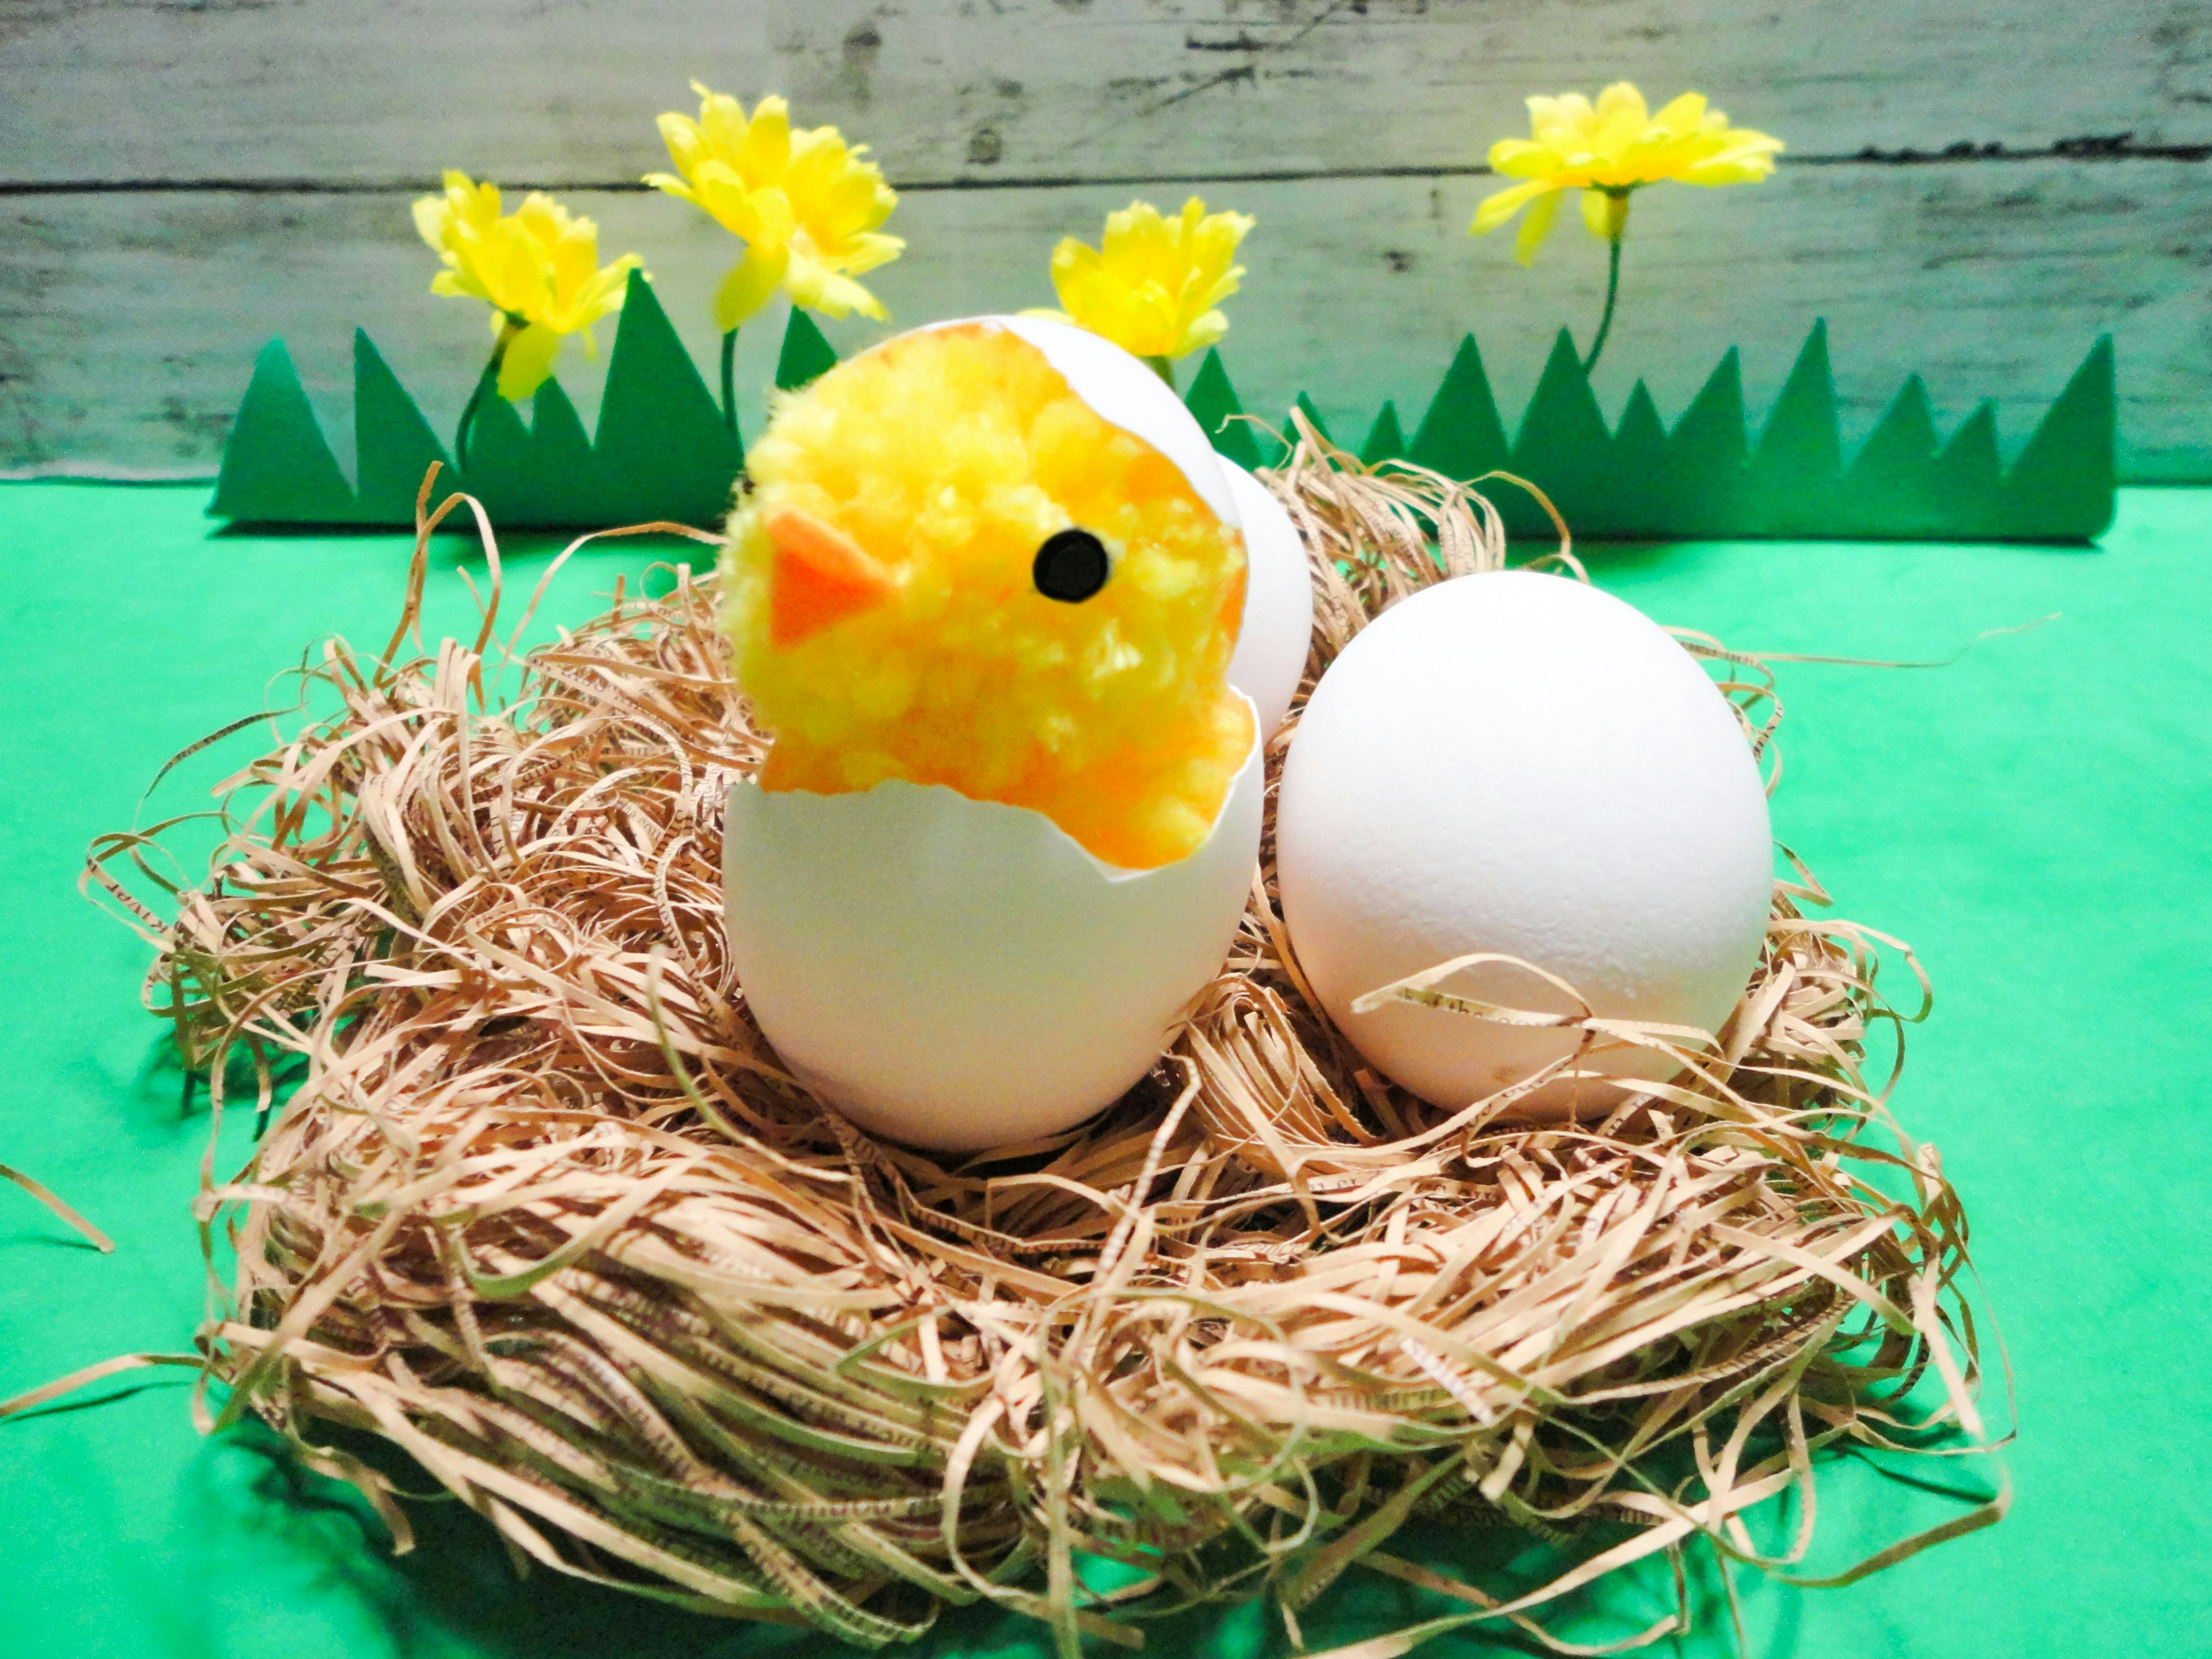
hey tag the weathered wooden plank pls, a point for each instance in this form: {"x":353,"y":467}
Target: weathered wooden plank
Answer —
{"x":119,"y":90}
{"x":128,"y":324}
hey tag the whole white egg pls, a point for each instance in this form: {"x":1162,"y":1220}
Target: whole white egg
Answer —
{"x":1518,"y":763}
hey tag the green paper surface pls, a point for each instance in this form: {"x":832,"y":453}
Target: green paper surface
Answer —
{"x":1304,"y":406}
{"x":393,"y":444}
{"x":2031,"y":817}
{"x":1385,"y":438}
{"x":1213,"y":401}
{"x":277,"y":465}
{"x":1562,"y":419}
{"x":1891,"y":479}
{"x":1460,"y":436}
{"x":663,"y":447}
{"x":1792,"y":483}
{"x":807,"y":353}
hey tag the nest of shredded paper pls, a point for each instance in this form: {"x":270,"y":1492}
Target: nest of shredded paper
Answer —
{"x":544,"y":1211}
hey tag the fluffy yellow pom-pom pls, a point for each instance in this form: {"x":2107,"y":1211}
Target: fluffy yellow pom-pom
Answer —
{"x":886,"y":624}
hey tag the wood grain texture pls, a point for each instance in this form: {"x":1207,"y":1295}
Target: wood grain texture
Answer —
{"x":135,"y":287}
{"x":981,"y":90}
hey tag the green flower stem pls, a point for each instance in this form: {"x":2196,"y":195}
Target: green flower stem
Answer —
{"x":1163,"y":369}
{"x":730,"y":381}
{"x":485,"y":382}
{"x":1612,"y":294}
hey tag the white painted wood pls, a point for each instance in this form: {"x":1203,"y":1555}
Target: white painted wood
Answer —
{"x":335,"y":90}
{"x":144,"y":315}
{"x":129,"y":317}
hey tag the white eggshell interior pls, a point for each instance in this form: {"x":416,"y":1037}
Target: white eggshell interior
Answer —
{"x":962,"y":973}
{"x":1277,"y":630}
{"x":1521,"y":763}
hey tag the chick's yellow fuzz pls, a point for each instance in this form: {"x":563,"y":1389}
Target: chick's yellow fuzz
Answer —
{"x":946,"y":458}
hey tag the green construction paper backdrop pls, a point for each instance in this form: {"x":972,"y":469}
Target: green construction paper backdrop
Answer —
{"x":2034,"y":818}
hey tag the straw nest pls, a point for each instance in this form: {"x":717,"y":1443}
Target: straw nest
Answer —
{"x":544,"y":1211}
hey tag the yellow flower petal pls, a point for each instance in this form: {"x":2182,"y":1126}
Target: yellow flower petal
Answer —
{"x":1536,"y":226}
{"x":1520,"y":158}
{"x":805,"y":204}
{"x":1685,"y":114}
{"x":816,"y":286}
{"x":1605,"y":214}
{"x":765,"y":152}
{"x":539,"y":265}
{"x":1619,"y":143}
{"x":751,"y":283}
{"x":687,"y":146}
{"x":1153,"y":283}
{"x":528,"y":363}
{"x":671,"y":182}
{"x":1495,"y":210}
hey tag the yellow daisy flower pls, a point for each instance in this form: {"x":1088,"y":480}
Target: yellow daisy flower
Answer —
{"x":539,"y":269}
{"x":1609,"y":150}
{"x":805,"y":203}
{"x":1153,"y":283}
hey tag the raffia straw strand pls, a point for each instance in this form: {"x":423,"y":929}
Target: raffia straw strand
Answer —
{"x":61,"y":1208}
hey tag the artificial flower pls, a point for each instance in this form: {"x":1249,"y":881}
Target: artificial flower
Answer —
{"x":805,"y":203}
{"x":539,"y":269}
{"x":1609,"y":150}
{"x":1153,"y":283}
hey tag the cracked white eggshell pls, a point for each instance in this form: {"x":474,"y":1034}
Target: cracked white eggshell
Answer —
{"x":1519,"y":763}
{"x":1277,"y":628}
{"x":963,"y":974}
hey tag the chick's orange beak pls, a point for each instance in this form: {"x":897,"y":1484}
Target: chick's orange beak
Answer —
{"x":817,"y":575}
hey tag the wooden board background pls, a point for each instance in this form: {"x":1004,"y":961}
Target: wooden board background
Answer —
{"x":1973,"y":190}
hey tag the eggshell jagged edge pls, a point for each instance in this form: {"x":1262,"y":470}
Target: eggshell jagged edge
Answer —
{"x":963,"y":974}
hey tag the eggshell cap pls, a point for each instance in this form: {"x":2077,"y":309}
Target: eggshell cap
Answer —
{"x":962,"y":973}
{"x":1521,"y":763}
{"x":1121,"y":390}
{"x":1277,"y":630}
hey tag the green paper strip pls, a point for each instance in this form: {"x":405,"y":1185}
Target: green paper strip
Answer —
{"x":806,"y":355}
{"x":662,"y":451}
{"x":1213,"y":401}
{"x":277,"y":467}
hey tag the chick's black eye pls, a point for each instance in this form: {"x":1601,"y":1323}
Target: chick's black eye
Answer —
{"x":1070,"y":566}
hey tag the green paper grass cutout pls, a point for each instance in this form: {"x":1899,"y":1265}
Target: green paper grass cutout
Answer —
{"x":1213,"y":401}
{"x":1706,"y":478}
{"x":806,"y":355}
{"x":663,"y":451}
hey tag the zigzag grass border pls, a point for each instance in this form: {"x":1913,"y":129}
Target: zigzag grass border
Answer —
{"x":1707,"y":478}
{"x":663,"y":449}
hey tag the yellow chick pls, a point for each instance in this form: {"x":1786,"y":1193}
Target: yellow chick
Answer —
{"x":951,"y":569}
